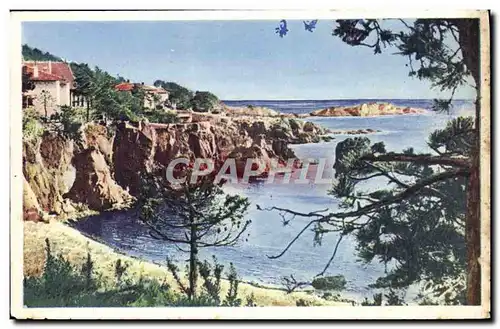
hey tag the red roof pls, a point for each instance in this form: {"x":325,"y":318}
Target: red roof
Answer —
{"x":129,"y":86}
{"x":63,"y":70}
{"x":124,"y":86}
{"x":50,"y":71}
{"x":43,"y":76}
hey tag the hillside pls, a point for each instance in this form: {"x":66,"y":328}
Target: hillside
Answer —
{"x":35,"y":54}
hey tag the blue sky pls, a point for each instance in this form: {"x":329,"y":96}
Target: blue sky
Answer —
{"x":235,"y":59}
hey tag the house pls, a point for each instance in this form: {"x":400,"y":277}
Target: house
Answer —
{"x":54,"y":82}
{"x":155,"y":96}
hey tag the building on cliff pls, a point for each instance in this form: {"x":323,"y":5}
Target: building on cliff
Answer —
{"x":54,"y":86}
{"x":154,"y":96}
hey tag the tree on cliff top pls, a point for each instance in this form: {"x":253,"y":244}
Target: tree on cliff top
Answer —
{"x":192,"y":216}
{"x":445,"y":52}
{"x":204,"y":101}
{"x":35,"y":54}
{"x":178,"y":96}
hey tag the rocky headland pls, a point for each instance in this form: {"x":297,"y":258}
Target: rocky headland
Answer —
{"x":366,"y":110}
{"x":103,"y":169}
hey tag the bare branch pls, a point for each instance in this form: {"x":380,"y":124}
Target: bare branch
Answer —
{"x":293,"y":241}
{"x":333,"y":255}
{"x":460,"y":162}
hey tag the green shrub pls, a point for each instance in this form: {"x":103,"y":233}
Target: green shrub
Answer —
{"x":204,"y":101}
{"x":68,"y":121}
{"x":161,"y":117}
{"x":337,"y":283}
{"x":32,"y":127}
{"x":64,"y":285}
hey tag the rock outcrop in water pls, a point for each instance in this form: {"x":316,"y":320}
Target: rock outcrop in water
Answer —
{"x":108,"y":162}
{"x":365,"y":110}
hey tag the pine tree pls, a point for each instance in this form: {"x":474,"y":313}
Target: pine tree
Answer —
{"x":445,"y":52}
{"x":193,"y":216}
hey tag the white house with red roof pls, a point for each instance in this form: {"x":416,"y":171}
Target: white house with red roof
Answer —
{"x":53,"y":81}
{"x":155,"y":96}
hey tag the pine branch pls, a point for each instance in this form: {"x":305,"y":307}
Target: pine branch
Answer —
{"x":460,"y":162}
{"x":364,"y":211}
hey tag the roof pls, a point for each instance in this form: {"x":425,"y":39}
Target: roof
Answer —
{"x":43,"y":76}
{"x":124,"y":86}
{"x":63,"y":70}
{"x":128,"y":86}
{"x":50,"y":71}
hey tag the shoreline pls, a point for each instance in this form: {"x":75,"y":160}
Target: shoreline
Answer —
{"x":74,"y":245}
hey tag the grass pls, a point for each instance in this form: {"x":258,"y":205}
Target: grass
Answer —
{"x":74,"y":248}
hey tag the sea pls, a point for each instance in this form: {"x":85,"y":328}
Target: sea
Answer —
{"x":267,"y":236}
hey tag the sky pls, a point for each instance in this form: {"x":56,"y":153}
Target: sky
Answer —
{"x":236,"y":60}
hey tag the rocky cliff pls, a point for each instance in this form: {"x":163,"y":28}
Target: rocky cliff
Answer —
{"x":367,"y":109}
{"x":102,"y":170}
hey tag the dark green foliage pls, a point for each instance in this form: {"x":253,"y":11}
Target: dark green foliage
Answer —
{"x":418,"y":221}
{"x":412,"y":216}
{"x":424,"y":232}
{"x":336,"y":283}
{"x":60,"y":284}
{"x":434,"y":48}
{"x":377,"y":301}
{"x":110,"y":104}
{"x":27,"y":85}
{"x":204,"y":101}
{"x":160,"y":116}
{"x":32,"y":126}
{"x":120,"y":270}
{"x":84,"y":77}
{"x":194,"y":214}
{"x":456,"y":139}
{"x":68,"y":121}
{"x":211,"y":275}
{"x":232,"y":294}
{"x":178,"y":95}
{"x":250,"y":300}
{"x":88,"y":273}
{"x":26,"y":81}
{"x":64,"y":285}
{"x":35,"y":54}
{"x":182,"y":98}
{"x":392,"y":298}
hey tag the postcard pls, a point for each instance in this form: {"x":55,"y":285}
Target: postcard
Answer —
{"x":250,"y":164}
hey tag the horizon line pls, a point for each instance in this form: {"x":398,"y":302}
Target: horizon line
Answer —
{"x":337,"y":99}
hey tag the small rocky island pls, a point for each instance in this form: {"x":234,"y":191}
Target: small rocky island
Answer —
{"x":366,"y":110}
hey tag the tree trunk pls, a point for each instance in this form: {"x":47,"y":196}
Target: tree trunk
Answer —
{"x":469,"y":43}
{"x":193,"y":259}
{"x":473,"y":225}
{"x":88,"y":110}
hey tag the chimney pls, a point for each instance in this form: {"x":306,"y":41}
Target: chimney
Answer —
{"x":35,"y":71}
{"x":50,"y":67}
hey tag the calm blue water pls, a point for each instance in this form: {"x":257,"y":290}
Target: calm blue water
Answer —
{"x":267,"y":235}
